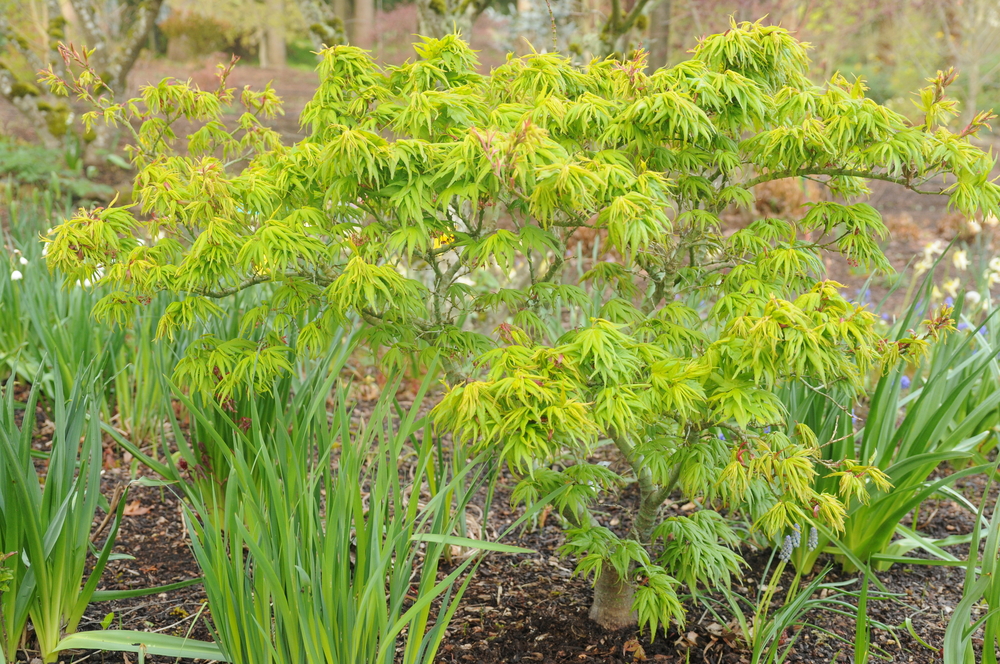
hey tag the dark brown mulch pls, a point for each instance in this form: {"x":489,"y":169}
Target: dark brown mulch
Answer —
{"x":152,"y":533}
{"x":532,"y":609}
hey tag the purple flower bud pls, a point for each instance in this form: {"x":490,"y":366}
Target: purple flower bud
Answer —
{"x":904,"y":382}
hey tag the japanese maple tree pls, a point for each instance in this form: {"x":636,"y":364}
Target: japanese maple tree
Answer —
{"x":428,"y":197}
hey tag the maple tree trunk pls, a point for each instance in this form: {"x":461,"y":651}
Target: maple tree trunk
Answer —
{"x":612,"y":607}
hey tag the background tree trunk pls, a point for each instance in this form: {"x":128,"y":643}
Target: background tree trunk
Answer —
{"x":116,"y":46}
{"x":363,"y":32}
{"x":612,"y":607}
{"x":659,"y":34}
{"x":437,"y":18}
{"x":274,"y":36}
{"x":342,"y":10}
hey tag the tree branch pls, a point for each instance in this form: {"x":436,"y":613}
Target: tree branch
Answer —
{"x":632,"y":16}
{"x":834,"y":172}
{"x":132,"y":43}
{"x":232,"y":290}
{"x":616,"y":12}
{"x":88,"y":21}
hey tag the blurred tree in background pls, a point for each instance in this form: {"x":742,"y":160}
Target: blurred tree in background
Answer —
{"x":893,"y":44}
{"x":970,"y":32}
{"x":30,"y":31}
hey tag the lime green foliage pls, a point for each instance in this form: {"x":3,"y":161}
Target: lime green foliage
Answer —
{"x":304,"y":563}
{"x":49,"y":525}
{"x":981,"y":586}
{"x":427,"y":196}
{"x":49,"y":331}
{"x":947,"y":413}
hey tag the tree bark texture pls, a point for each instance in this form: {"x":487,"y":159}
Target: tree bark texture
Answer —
{"x":612,"y":607}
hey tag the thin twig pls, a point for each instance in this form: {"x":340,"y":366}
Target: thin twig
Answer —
{"x":552,"y":18}
{"x":116,"y":498}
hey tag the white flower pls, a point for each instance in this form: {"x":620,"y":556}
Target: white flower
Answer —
{"x":934,"y":248}
{"x":935,"y":294}
{"x":961,"y":260}
{"x":993,"y":278}
{"x":951,"y":287}
{"x":922,"y":265}
{"x":991,"y":220}
{"x":995,"y":263}
{"x":974,"y":227}
{"x":16,"y":275}
{"x":973,"y":298}
{"x":23,"y":260}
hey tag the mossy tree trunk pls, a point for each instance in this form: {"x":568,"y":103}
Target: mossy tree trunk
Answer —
{"x":437,"y":18}
{"x":116,"y":45}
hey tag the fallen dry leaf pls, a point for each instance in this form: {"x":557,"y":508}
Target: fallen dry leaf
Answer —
{"x":633,"y":646}
{"x":135,"y":508}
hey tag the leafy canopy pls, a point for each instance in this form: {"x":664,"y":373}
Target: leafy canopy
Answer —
{"x":428,"y":198}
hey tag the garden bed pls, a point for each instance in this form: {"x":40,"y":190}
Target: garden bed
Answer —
{"x":530,"y":608}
